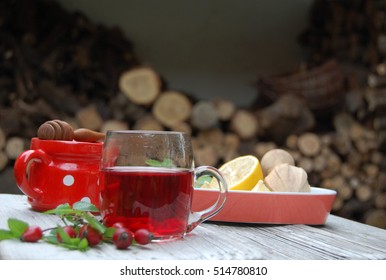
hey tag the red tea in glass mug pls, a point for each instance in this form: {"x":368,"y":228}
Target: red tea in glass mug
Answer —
{"x":148,"y":180}
{"x":154,"y":198}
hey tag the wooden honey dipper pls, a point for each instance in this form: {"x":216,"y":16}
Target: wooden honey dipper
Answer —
{"x":61,"y":130}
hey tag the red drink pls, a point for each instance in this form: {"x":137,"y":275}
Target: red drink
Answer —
{"x":157,"y":199}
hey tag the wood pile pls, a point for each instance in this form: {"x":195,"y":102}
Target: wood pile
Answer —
{"x":53,"y":64}
{"x":347,"y":30}
{"x":59,"y":65}
{"x":353,"y":33}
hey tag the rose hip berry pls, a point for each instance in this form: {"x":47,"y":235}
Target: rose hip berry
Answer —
{"x":143,"y":236}
{"x":32,"y":234}
{"x":92,"y":235}
{"x":70,"y":232}
{"x":118,"y":225}
{"x":122,"y":238}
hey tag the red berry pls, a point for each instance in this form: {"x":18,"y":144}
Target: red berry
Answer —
{"x":122,"y":238}
{"x":32,"y":234}
{"x":143,"y":236}
{"x":69,"y":230}
{"x":92,"y":235}
{"x":118,"y":225}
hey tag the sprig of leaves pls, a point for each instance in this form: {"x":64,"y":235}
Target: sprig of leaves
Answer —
{"x":16,"y":228}
{"x":72,"y":243}
{"x":79,"y":214}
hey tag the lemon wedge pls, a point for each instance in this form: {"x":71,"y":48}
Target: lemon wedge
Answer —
{"x":260,"y":187}
{"x":241,"y":173}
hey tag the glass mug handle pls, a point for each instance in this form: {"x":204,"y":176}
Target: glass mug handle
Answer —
{"x":196,"y":218}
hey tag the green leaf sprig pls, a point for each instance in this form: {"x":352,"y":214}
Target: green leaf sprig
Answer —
{"x":15,"y":229}
{"x":79,"y":214}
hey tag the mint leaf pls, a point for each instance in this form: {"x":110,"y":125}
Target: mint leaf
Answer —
{"x":83,"y":244}
{"x":109,"y":232}
{"x":51,"y":239}
{"x":17,"y":227}
{"x":85,"y":206}
{"x":95,"y":223}
{"x":6,"y":234}
{"x":153,"y":162}
{"x":62,"y":209}
{"x":202,"y":180}
{"x":63,"y":235}
{"x":167,"y":162}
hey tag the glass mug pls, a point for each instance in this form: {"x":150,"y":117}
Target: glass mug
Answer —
{"x":148,"y":182}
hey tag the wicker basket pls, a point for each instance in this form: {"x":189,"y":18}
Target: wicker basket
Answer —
{"x":322,"y":87}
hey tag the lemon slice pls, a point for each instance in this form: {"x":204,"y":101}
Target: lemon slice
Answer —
{"x":241,"y":173}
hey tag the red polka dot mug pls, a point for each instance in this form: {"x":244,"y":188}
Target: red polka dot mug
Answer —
{"x":54,"y":172}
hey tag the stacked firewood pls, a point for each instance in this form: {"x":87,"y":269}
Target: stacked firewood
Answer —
{"x":347,"y":30}
{"x":53,"y":63}
{"x":353,"y":33}
{"x":344,"y":151}
{"x":59,"y":65}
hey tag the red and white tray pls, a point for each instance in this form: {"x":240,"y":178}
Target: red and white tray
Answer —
{"x":310,"y":208}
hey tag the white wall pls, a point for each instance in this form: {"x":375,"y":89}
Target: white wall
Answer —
{"x":208,"y":48}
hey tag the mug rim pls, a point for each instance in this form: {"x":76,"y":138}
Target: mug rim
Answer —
{"x":67,"y":147}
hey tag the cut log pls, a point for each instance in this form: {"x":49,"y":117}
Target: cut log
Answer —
{"x":205,"y":155}
{"x":224,"y":108}
{"x":213,"y":137}
{"x":231,"y":146}
{"x":374,"y":80}
{"x":288,"y":115}
{"x":204,"y":115}
{"x":172,"y":108}
{"x":291,"y":141}
{"x":347,"y":170}
{"x":14,"y":147}
{"x":114,"y":125}
{"x":376,"y":218}
{"x":148,"y":123}
{"x":244,"y":124}
{"x":377,"y":157}
{"x":380,"y":200}
{"x":371,"y":170}
{"x":141,"y":85}
{"x":319,"y":163}
{"x":182,"y":127}
{"x":363,"y":193}
{"x":309,"y":144}
{"x":376,"y":99}
{"x":89,"y":117}
{"x":338,"y":204}
{"x":261,"y":148}
{"x":306,"y":163}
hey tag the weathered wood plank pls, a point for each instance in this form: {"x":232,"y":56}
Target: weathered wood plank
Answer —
{"x":338,"y":239}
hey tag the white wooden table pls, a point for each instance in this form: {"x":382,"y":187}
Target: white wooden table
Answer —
{"x":338,"y":239}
